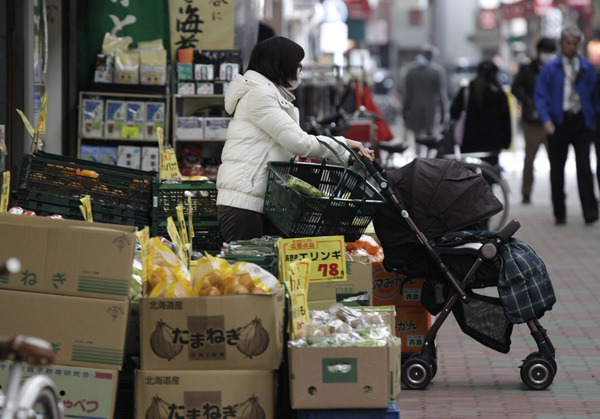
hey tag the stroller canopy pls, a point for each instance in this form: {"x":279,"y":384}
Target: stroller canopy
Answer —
{"x":440,"y":195}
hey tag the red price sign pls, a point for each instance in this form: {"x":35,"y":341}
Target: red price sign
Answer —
{"x":327,"y":256}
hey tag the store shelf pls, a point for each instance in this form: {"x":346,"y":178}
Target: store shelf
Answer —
{"x":199,"y":96}
{"x":200,"y":140}
{"x":120,"y":139}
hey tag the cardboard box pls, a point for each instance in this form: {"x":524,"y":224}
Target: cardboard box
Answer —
{"x":85,"y":392}
{"x":68,"y":257}
{"x":204,"y":394}
{"x":322,"y":305}
{"x":136,"y":117}
{"x":216,"y":127}
{"x":412,"y":324}
{"x":150,"y":159}
{"x":155,"y":118}
{"x":85,"y":332}
{"x":116,"y":114}
{"x":359,"y":278}
{"x":318,"y":291}
{"x":93,"y":117}
{"x":344,"y":378}
{"x":189,"y":128}
{"x":209,"y":333}
{"x":387,"y":286}
{"x":129,"y":156}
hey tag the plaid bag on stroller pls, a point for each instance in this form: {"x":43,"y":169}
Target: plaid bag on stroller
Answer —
{"x":443,"y":243}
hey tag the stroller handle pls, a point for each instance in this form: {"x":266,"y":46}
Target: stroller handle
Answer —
{"x":375,"y":170}
{"x":508,"y":231}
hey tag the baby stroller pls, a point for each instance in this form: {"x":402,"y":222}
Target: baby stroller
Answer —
{"x":448,"y":202}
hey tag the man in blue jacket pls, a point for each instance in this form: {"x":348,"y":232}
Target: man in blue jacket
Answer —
{"x":566,"y":98}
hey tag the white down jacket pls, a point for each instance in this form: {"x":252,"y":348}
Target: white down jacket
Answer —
{"x":265,"y":127}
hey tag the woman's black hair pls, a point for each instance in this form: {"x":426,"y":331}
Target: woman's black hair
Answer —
{"x":487,"y":76}
{"x":277,"y":59}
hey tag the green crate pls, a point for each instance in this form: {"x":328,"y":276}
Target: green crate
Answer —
{"x":347,"y":210}
{"x":168,"y":196}
{"x":44,"y":204}
{"x":207,"y":234}
{"x":58,"y":176}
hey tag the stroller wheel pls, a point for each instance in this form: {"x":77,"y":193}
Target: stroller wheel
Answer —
{"x":416,"y":373}
{"x":539,"y":355}
{"x":537,"y":373}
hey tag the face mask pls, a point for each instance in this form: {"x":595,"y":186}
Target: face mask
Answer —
{"x":546,"y":56}
{"x":295,"y":83}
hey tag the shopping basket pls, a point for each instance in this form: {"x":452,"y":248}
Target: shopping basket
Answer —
{"x":347,"y":210}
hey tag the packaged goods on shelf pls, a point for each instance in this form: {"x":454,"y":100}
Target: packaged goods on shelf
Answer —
{"x":92,"y":117}
{"x":204,"y":88}
{"x":153,"y":66}
{"x":104,"y":68}
{"x":116,"y":115}
{"x":150,"y":159}
{"x":127,"y":67}
{"x":68,"y":257}
{"x":155,"y":118}
{"x":189,"y":127}
{"x":186,"y":88}
{"x":185,"y":68}
{"x":216,"y":127}
{"x":108,"y":154}
{"x":86,"y":393}
{"x":86,"y":332}
{"x":204,"y":71}
{"x":136,"y":117}
{"x":234,"y":394}
{"x":90,"y":152}
{"x":129,"y":156}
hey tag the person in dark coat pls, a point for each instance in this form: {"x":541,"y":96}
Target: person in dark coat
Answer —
{"x":488,"y":125}
{"x":533,"y":131}
{"x":566,"y":97}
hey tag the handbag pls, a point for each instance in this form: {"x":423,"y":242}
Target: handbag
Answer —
{"x":459,"y":126}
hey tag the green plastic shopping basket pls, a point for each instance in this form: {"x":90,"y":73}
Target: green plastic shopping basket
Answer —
{"x":347,"y":210}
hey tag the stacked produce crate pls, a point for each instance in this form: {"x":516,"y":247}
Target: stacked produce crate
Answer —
{"x":203,"y":196}
{"x":52,"y":184}
{"x":211,"y":356}
{"x":412,"y":319}
{"x":66,"y":294}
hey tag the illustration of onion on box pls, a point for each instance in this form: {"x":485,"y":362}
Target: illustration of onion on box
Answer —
{"x":251,"y":340}
{"x":250,"y":409}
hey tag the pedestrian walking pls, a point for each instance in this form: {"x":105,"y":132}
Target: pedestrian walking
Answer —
{"x":533,"y":131}
{"x":566,"y":98}
{"x":487,"y":127}
{"x":425,"y":93}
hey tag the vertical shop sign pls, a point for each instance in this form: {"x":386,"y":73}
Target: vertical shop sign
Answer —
{"x":541,"y":7}
{"x":201,"y":24}
{"x":487,"y":19}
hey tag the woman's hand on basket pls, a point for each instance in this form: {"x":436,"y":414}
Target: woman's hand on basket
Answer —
{"x":360,"y":149}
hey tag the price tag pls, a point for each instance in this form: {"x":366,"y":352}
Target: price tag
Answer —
{"x":5,"y":191}
{"x":86,"y":208}
{"x":130,"y":132}
{"x":181,"y":222}
{"x":299,"y":307}
{"x":28,"y":126}
{"x":327,"y":255}
{"x":144,"y":239}
{"x":41,"y":122}
{"x":174,"y":235}
{"x":167,"y":159}
{"x":191,"y":233}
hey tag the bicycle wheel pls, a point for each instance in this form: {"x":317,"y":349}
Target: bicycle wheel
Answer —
{"x":499,"y":188}
{"x":46,"y":405}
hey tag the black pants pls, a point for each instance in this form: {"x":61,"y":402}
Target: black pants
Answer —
{"x":240,"y":224}
{"x":572,"y":131}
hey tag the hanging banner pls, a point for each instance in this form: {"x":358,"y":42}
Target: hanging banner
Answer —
{"x":487,"y":19}
{"x":513,"y":10}
{"x":201,"y":24}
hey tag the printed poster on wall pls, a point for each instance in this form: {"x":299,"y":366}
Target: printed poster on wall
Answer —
{"x":201,"y":24}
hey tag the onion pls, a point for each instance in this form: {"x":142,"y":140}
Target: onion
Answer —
{"x":254,"y":339}
{"x":238,"y":289}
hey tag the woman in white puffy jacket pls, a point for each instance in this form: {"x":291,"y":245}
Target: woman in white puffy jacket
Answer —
{"x":265,"y":127}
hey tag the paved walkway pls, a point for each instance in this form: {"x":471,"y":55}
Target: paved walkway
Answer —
{"x":476,"y":382}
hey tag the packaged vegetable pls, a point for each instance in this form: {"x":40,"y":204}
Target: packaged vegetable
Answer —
{"x":303,"y":187}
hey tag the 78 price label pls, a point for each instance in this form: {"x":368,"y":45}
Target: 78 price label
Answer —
{"x":331,"y":269}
